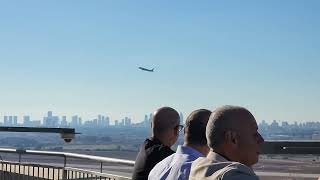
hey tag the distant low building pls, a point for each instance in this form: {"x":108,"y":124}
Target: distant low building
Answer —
{"x":316,"y":136}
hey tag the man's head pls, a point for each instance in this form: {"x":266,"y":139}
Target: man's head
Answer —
{"x":195,"y":130}
{"x":232,"y":131}
{"x":165,"y":125}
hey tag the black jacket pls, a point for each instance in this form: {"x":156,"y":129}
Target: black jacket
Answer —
{"x":151,"y":152}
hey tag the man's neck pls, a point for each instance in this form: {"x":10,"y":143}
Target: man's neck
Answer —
{"x":221,"y":153}
{"x":202,"y":149}
{"x":161,"y":140}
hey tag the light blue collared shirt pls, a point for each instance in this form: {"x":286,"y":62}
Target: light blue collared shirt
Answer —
{"x":176,"y":166}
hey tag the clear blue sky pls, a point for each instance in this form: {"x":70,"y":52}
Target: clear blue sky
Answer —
{"x":81,"y":57}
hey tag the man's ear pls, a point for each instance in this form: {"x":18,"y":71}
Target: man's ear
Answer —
{"x":235,"y":137}
{"x":231,"y":137}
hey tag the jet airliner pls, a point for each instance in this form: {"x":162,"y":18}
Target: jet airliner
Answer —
{"x":145,"y":69}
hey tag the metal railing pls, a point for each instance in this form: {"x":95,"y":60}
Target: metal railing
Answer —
{"x":17,"y":170}
{"x":10,"y":170}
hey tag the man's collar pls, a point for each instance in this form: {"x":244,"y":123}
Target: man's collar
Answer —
{"x":217,"y":157}
{"x":155,"y":140}
{"x":189,"y":150}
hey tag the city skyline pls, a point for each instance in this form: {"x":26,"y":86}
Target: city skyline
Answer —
{"x":63,"y":117}
{"x":82,"y":57}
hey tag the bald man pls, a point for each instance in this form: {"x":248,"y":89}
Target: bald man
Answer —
{"x":177,"y":166}
{"x":235,"y":145}
{"x":165,"y":127}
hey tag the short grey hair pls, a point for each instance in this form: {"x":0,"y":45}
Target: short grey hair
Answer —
{"x":195,"y":127}
{"x":221,"y":120}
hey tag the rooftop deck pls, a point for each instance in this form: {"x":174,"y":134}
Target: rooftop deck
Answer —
{"x":63,"y":165}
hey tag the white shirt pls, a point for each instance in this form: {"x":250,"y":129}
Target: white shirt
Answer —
{"x":176,"y":166}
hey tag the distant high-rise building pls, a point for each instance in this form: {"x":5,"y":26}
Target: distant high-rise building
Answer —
{"x":95,"y":122}
{"x":127,"y":121}
{"x":74,"y":121}
{"x":103,"y":121}
{"x":10,"y":122}
{"x":263,"y":126}
{"x":64,"y":122}
{"x":285,"y":124}
{"x":26,"y":120}
{"x":99,"y":123}
{"x":107,"y":121}
{"x":51,"y":121}
{"x":80,"y":121}
{"x":116,"y":123}
{"x":6,"y":120}
{"x":15,"y":120}
{"x":274,"y":124}
{"x":49,"y":114}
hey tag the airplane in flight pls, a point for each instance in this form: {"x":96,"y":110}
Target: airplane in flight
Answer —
{"x":145,"y":69}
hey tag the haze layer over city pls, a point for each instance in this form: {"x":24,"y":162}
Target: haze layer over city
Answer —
{"x":102,"y":125}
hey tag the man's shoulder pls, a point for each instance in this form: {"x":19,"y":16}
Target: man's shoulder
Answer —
{"x":152,"y":143}
{"x":174,"y":166}
{"x":204,"y":168}
{"x":166,"y":161}
{"x":151,"y":152}
{"x":159,"y":149}
{"x":161,"y":166}
{"x":237,"y":170}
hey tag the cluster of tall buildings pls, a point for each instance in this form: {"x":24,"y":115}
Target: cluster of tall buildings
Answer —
{"x":290,"y":131}
{"x":76,"y":121}
{"x":280,"y":126}
{"x":13,"y":121}
{"x":10,"y":120}
{"x":101,"y":121}
{"x":275,"y":130}
{"x":51,"y":120}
